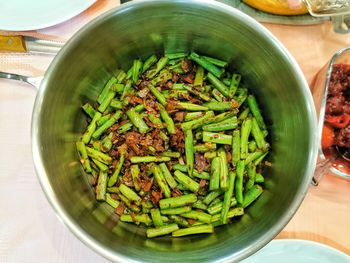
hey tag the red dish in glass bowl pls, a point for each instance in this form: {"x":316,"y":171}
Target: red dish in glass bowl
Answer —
{"x":331,"y":92}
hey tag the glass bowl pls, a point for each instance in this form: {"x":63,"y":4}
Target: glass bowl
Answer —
{"x":331,"y":157}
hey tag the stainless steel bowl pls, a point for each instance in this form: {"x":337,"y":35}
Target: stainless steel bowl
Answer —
{"x":141,"y":28}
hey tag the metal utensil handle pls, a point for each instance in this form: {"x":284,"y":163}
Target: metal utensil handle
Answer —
{"x":34,"y":81}
{"x":42,"y":46}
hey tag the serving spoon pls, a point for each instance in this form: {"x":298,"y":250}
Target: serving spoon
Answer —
{"x":323,"y":166}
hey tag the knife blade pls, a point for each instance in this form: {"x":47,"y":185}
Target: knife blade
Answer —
{"x":25,"y":44}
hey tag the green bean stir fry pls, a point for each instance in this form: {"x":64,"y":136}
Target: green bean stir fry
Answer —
{"x":176,"y":143}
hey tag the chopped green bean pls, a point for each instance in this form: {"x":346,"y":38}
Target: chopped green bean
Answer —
{"x":101,"y":166}
{"x":135,"y":172}
{"x":251,"y":171}
{"x":251,"y":195}
{"x":107,"y":142}
{"x":176,"y":210}
{"x":228,"y":124}
{"x":200,"y":205}
{"x":148,"y":159}
{"x":106,"y":101}
{"x":218,"y":95}
{"x":157,"y":172}
{"x":220,"y":117}
{"x":223,"y":168}
{"x":241,"y":96}
{"x":177,"y":201}
{"x":176,"y":55}
{"x":84,"y":160}
{"x":236,"y":79}
{"x":190,"y":116}
{"x":215,"y":173}
{"x":236,"y":147}
{"x":125,"y":127}
{"x":136,"y":119}
{"x":252,"y":146}
{"x":244,"y":114}
{"x":259,"y":159}
{"x":91,"y":128}
{"x":167,"y":175}
{"x":198,"y":80}
{"x":219,"y":138}
{"x":114,"y":177}
{"x":130,"y":194}
{"x":179,"y":220}
{"x":112,"y":202}
{"x":161,"y":231}
{"x":159,"y":66}
{"x":193,"y":230}
{"x":156,"y":217}
{"x":197,"y":93}
{"x":89,"y":110}
{"x":226,"y":204}
{"x":136,"y":70}
{"x":215,"y":61}
{"x":149,"y":63}
{"x":121,"y":75}
{"x":137,"y":219}
{"x":245,"y":132}
{"x":239,"y":181}
{"x":221,"y":106}
{"x":251,"y":157}
{"x":189,"y":152}
{"x":160,"y":97}
{"x":254,"y":108}
{"x":217,"y":208}
{"x":100,"y":156}
{"x":206,"y":64}
{"x":259,"y":136}
{"x":186,"y":181}
{"x":106,"y":125}
{"x":167,"y":119}
{"x":205,"y":147}
{"x":201,"y":216}
{"x":238,"y":211}
{"x":116,"y":104}
{"x":259,"y":178}
{"x":171,"y":154}
{"x":106,"y":89}
{"x":101,"y":186}
{"x":194,"y":124}
{"x":210,"y":155}
{"x":133,"y":207}
{"x":219,"y":85}
{"x":191,"y":106}
{"x":183,"y":168}
{"x":211,"y":196}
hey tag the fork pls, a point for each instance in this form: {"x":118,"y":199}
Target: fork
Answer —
{"x":34,"y":81}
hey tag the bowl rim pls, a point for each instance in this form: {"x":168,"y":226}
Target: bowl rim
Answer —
{"x":221,"y":7}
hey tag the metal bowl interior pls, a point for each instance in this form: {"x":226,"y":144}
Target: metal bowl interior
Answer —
{"x":140,"y":29}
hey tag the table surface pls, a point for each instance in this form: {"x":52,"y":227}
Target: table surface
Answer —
{"x":29,"y":229}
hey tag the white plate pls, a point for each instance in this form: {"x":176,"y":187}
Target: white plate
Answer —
{"x":297,"y":251}
{"x":18,"y":15}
